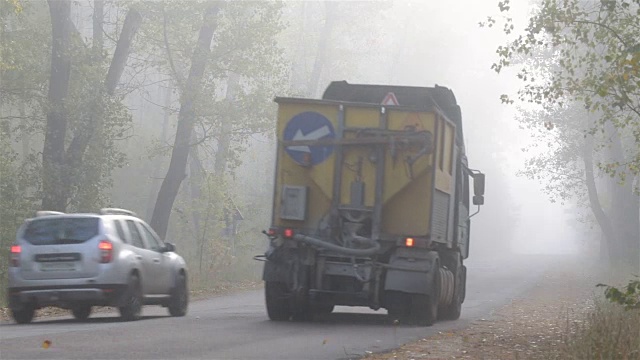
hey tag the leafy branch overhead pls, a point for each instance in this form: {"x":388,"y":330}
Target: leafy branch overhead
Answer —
{"x":580,"y":52}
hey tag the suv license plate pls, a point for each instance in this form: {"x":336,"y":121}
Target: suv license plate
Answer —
{"x":57,"y":266}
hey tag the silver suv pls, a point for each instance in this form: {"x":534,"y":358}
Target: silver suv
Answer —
{"x":76,"y":261}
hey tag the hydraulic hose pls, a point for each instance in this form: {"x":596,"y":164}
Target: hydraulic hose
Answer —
{"x":348,"y":251}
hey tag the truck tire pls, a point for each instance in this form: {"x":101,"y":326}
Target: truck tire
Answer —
{"x":453,"y":310}
{"x":277,"y":300}
{"x":301,"y":308}
{"x":398,"y":306}
{"x":323,"y":309}
{"x":424,"y":308}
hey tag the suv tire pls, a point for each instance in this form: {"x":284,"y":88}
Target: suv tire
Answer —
{"x":132,"y":308}
{"x":81,"y":312}
{"x":24,"y":315}
{"x":179,"y":300}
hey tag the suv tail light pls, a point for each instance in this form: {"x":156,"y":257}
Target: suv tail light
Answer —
{"x":15,"y":255}
{"x":106,"y":251}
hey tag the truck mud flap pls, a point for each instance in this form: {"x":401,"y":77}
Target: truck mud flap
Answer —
{"x":276,"y":267}
{"x":408,"y":269}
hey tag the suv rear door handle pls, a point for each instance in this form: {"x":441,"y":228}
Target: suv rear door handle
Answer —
{"x":156,"y":260}
{"x":139,"y":257}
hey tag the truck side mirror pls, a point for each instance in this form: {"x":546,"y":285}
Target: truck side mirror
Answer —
{"x":478,"y":186}
{"x":478,"y":200}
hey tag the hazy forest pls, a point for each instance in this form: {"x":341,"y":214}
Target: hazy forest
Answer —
{"x":166,"y":108}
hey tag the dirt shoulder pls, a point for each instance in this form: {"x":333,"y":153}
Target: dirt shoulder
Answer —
{"x":529,"y":327}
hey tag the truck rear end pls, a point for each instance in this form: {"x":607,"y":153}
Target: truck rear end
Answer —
{"x":371,"y":204}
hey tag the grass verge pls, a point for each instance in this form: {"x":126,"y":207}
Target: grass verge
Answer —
{"x":606,"y":332}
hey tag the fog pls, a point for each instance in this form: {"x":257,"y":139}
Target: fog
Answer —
{"x":423,"y":43}
{"x":427,"y":43}
{"x":442,"y":43}
{"x":292,"y":50}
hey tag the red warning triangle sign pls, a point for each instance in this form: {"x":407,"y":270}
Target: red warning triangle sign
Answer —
{"x":390,"y":100}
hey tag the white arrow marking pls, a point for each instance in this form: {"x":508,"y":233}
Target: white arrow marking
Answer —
{"x":313,"y":135}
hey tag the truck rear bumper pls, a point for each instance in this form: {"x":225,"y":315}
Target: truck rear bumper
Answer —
{"x":340,"y":298}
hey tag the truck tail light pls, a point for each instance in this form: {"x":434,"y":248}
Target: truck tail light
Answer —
{"x":287,"y":233}
{"x":409,"y":242}
{"x":413,"y":242}
{"x":106,"y":251}
{"x":15,"y":255}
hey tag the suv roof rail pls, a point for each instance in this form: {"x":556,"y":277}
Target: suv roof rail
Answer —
{"x":41,"y":213}
{"x":116,"y":211}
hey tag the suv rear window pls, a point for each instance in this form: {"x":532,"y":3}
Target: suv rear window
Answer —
{"x":61,"y":230}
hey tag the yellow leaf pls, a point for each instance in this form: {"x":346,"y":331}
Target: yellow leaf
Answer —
{"x":46,"y":344}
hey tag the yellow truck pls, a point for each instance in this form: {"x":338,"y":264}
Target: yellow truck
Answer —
{"x":371,"y":204}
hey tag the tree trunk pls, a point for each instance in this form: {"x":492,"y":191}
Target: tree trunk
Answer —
{"x":53,"y":155}
{"x":323,"y":43}
{"x":624,"y":207}
{"x":98,"y":21}
{"x":154,"y":188}
{"x":196,"y":176}
{"x":186,"y":118}
{"x":594,"y":201}
{"x":93,"y":125}
{"x":224,"y":140}
{"x":60,"y":168}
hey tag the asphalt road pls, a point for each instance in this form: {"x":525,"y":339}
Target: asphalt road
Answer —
{"x":236,"y":326}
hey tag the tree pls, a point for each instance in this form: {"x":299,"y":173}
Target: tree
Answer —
{"x":186,"y":119}
{"x":243,"y":72}
{"x":61,"y":167}
{"x":579,"y":63}
{"x":53,"y":155}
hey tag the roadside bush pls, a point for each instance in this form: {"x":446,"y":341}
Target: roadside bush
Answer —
{"x":607,"y":332}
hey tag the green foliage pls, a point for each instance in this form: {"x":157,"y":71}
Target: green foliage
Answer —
{"x":244,"y":47}
{"x":606,"y":331}
{"x":628,"y":296}
{"x":16,"y":204}
{"x":585,"y":53}
{"x":25,"y":70}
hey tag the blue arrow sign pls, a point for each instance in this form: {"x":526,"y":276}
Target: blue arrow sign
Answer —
{"x":309,"y":126}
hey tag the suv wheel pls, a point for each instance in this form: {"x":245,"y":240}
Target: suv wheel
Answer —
{"x":81,"y":312}
{"x":179,"y":297}
{"x":132,"y":308}
{"x":24,"y":315}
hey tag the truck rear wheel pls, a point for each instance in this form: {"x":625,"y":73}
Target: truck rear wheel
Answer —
{"x":323,"y":309}
{"x":453,"y":310}
{"x":398,"y":306}
{"x":277,"y":300}
{"x":424,"y":308}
